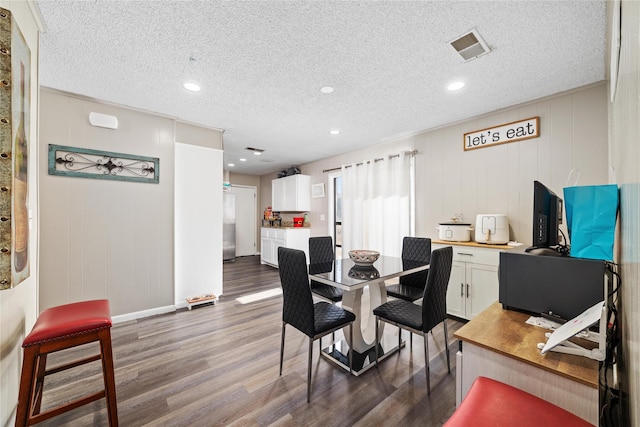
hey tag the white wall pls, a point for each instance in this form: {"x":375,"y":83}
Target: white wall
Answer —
{"x":18,"y":306}
{"x":496,"y":179}
{"x":198,"y":222}
{"x":624,"y":133}
{"x":104,"y":238}
{"x":499,"y":179}
{"x":112,"y":239}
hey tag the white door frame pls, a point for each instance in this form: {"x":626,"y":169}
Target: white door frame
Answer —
{"x":254,"y":219}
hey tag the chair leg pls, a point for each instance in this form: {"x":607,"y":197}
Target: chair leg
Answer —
{"x":399,"y":337}
{"x":282,"y":347}
{"x":377,"y":342}
{"x":309,"y":370}
{"x":27,"y":384}
{"x":351,"y":350}
{"x":106,"y":353}
{"x":41,"y":368}
{"x":446,"y":344}
{"x":410,"y":339}
{"x":426,"y":359}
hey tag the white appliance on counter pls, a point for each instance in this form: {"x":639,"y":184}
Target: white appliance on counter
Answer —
{"x":492,"y":228}
{"x":454,"y":231}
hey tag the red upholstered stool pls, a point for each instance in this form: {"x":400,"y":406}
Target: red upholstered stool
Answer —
{"x":492,"y":403}
{"x":56,"y":329}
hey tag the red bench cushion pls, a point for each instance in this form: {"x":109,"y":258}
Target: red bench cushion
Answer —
{"x":492,"y":403}
{"x":69,"y":319}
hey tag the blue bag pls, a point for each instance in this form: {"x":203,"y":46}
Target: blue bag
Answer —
{"x":591,"y":213}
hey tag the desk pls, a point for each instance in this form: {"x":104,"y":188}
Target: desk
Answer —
{"x":352,"y":279}
{"x":499,"y":344}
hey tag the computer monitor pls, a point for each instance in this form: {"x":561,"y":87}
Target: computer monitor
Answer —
{"x":547,"y":217}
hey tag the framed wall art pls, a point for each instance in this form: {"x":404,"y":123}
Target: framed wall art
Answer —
{"x":317,"y":190}
{"x":97,"y":164}
{"x":15,"y":131}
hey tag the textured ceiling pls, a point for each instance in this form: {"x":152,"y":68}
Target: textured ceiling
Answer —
{"x":261,"y":65}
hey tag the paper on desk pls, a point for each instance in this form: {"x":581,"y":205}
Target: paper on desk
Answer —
{"x":543,"y":323}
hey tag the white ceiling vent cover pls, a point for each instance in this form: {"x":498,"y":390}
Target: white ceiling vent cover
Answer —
{"x":470,"y":45}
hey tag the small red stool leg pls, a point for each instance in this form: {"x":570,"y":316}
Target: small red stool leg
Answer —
{"x":27,"y":385}
{"x":41,"y":367}
{"x":108,"y":376}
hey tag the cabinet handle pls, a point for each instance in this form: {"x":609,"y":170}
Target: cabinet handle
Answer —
{"x":465,"y":253}
{"x":467,"y":290}
{"x":461,"y":290}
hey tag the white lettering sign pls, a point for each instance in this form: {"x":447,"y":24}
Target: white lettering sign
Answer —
{"x":510,"y":132}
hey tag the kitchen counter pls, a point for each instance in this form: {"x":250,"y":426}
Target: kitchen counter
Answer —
{"x":271,"y":238}
{"x":472,"y":244}
{"x":287,"y":227}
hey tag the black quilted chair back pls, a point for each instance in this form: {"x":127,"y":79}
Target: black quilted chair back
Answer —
{"x":434,"y":303}
{"x":321,"y":250}
{"x":415,"y":251}
{"x":297,"y":308}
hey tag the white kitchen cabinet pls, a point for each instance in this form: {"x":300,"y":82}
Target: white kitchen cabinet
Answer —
{"x":272,"y":238}
{"x":291,"y":194}
{"x":473,"y":285}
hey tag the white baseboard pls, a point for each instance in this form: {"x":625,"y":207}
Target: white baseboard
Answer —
{"x":144,"y":313}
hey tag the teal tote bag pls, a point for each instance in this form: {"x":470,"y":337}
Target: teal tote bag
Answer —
{"x":591,"y":211}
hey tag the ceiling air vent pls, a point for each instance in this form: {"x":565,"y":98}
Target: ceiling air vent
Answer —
{"x":470,"y":45}
{"x":256,"y":151}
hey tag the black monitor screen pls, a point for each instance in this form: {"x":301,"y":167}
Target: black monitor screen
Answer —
{"x":547,"y":216}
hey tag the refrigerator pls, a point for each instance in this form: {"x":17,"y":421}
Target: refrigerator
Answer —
{"x":228,"y":226}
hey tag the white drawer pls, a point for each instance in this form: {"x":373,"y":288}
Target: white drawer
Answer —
{"x":280,"y":234}
{"x":479,"y":256}
{"x":264,"y":232}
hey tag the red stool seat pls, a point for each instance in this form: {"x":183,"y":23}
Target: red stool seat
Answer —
{"x":60,"y":328}
{"x":64,"y":320}
{"x":493,"y":403}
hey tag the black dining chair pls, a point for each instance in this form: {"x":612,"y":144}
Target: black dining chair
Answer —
{"x":422,"y":319}
{"x":415,"y":251}
{"x":321,"y":258}
{"x":298,"y":310}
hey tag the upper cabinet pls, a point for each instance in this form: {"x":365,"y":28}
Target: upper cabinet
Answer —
{"x":291,"y":193}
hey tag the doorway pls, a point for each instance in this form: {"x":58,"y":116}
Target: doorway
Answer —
{"x":246,"y":220}
{"x":335,"y":211}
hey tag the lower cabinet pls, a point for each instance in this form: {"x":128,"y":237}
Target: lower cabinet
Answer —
{"x":473,"y":285}
{"x":272,"y":238}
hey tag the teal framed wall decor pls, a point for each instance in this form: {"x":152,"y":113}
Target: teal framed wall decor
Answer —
{"x":96,"y":164}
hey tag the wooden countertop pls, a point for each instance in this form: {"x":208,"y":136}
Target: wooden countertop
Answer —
{"x":473,"y":244}
{"x":505,"y":332}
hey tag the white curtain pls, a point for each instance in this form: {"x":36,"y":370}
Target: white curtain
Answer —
{"x":376,"y":205}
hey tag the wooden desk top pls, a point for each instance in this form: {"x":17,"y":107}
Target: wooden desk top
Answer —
{"x":505,"y":332}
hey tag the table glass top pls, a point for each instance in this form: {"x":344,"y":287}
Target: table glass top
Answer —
{"x":346,"y":273}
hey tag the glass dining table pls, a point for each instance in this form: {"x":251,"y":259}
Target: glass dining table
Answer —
{"x":363,"y":290}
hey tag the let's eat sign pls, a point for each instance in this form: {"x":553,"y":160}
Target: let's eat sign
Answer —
{"x":509,"y":132}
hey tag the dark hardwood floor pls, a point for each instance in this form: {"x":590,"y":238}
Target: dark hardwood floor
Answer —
{"x":217,"y":365}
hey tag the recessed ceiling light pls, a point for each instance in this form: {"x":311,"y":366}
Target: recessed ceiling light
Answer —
{"x":455,"y":86}
{"x":326,"y":89}
{"x":334,"y":132}
{"x":243,"y":160}
{"x":257,"y":153}
{"x":192,"y":87}
{"x":231,"y":165}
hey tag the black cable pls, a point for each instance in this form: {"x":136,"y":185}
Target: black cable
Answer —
{"x":610,"y":411}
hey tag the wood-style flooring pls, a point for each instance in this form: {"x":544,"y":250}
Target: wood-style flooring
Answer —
{"x":217,"y":365}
